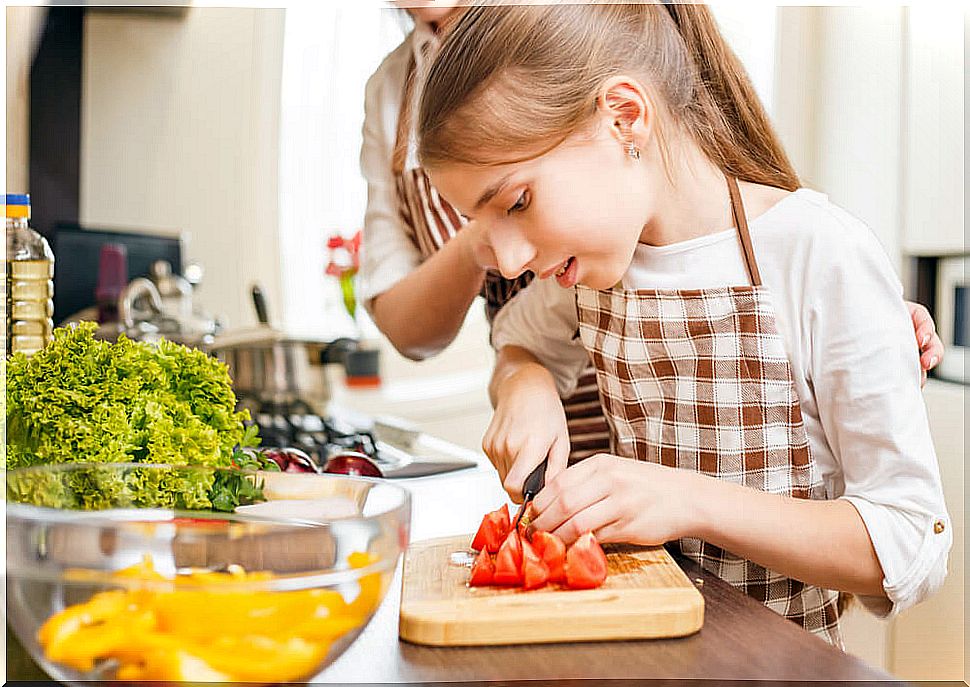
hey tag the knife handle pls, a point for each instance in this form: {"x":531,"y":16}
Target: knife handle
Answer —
{"x":535,"y":481}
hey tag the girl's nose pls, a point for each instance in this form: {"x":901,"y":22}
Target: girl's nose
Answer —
{"x":512,"y":254}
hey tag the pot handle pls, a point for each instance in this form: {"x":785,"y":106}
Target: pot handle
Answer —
{"x":336,"y":351}
{"x":259,"y":301}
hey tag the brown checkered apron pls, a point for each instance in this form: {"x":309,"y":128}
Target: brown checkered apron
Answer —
{"x":432,"y":221}
{"x":699,"y":380}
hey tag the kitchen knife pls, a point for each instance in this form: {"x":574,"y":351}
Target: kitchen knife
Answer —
{"x":532,"y":486}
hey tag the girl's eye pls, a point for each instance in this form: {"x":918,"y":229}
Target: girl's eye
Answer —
{"x":521,"y":204}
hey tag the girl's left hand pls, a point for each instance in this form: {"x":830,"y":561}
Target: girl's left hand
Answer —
{"x":618,"y":500}
{"x":930,"y":345}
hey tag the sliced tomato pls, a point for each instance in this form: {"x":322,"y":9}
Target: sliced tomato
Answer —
{"x":585,"y":563}
{"x":552,"y":551}
{"x":508,"y":563}
{"x":493,"y":530}
{"x":535,"y":572}
{"x":483,"y":570}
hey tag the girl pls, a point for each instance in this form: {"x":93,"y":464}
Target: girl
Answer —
{"x":419,"y":275}
{"x":752,"y":349}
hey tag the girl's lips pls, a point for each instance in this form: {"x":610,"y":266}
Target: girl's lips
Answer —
{"x":566,"y":275}
{"x":554,"y":270}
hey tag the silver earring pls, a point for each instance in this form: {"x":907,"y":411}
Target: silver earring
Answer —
{"x":633,"y":152}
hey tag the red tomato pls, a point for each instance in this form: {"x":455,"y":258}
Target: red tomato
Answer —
{"x":483,"y":570}
{"x":585,"y":563}
{"x":493,"y":530}
{"x":535,"y":572}
{"x":552,"y":551}
{"x":508,"y":563}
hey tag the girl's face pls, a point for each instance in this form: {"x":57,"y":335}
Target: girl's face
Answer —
{"x":575,"y":213}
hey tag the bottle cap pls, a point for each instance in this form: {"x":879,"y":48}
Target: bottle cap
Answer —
{"x":112,"y":272}
{"x":17,"y":205}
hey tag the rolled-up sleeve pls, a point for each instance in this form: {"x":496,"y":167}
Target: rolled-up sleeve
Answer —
{"x":866,"y":376}
{"x":542,"y":319}
{"x":388,"y":254}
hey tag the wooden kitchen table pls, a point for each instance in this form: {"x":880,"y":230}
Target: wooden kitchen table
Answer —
{"x":740,"y":640}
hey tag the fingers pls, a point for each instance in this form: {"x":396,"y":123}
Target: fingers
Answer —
{"x":929,"y":342}
{"x":599,"y":518}
{"x":932,"y":353}
{"x":571,"y":491}
{"x":496,"y":445}
{"x":558,"y":456}
{"x":523,"y":463}
{"x":923,"y":326}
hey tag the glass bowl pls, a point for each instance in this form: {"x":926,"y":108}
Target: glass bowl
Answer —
{"x":109,"y":579}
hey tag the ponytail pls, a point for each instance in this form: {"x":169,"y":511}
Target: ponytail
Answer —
{"x":741,"y":141}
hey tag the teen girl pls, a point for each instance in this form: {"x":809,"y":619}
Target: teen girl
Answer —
{"x":753,"y":353}
{"x":419,"y":276}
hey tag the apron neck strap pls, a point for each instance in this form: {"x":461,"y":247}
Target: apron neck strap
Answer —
{"x":403,"y":134}
{"x":741,"y":222}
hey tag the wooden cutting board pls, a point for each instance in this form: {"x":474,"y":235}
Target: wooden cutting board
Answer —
{"x":645,"y":595}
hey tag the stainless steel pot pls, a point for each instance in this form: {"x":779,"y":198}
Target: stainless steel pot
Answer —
{"x":267,"y":366}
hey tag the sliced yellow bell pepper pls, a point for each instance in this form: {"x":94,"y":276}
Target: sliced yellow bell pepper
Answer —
{"x":213,"y":635}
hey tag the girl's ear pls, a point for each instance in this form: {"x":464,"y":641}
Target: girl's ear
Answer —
{"x":629,"y":109}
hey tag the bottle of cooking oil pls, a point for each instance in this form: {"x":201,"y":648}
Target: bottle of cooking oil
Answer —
{"x":30,"y":281}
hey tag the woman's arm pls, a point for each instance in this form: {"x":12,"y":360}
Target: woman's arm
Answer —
{"x":422,"y":313}
{"x":418,"y":304}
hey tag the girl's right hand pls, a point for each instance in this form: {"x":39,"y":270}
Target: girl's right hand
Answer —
{"x":529,"y":424}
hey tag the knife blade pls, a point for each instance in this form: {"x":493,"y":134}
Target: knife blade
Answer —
{"x":532,"y":486}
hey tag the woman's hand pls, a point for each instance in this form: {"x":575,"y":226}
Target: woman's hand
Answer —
{"x":618,"y":500}
{"x":930,"y":345}
{"x":529,"y":423}
{"x":477,"y":250}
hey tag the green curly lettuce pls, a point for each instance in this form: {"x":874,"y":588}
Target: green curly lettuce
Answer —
{"x":81,"y":399}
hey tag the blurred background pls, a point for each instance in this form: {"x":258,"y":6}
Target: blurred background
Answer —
{"x":228,"y":139}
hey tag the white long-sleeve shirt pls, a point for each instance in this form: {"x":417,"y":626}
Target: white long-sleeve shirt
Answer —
{"x":854,"y":360}
{"x":388,"y":254}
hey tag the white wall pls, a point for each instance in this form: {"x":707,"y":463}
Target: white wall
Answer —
{"x":23,"y":27}
{"x":858,"y":125}
{"x":179,"y":132}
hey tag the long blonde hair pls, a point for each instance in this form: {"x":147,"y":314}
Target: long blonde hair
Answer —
{"x":512,"y":82}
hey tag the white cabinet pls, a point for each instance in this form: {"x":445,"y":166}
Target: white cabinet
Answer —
{"x":933,"y":130}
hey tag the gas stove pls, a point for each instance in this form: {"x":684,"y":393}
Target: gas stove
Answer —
{"x":296,"y":425}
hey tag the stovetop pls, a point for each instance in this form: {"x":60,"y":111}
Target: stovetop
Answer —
{"x":295,"y":425}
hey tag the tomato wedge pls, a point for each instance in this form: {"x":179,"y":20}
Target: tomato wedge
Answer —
{"x":585,"y":563}
{"x":535,"y":572}
{"x":493,"y":530}
{"x":483,"y":570}
{"x":552,"y":551}
{"x":508,"y":563}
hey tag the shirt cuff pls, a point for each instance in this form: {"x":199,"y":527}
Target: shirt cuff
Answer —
{"x":921,"y":574}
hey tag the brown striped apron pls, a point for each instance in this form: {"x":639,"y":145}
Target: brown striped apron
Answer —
{"x":700,"y":380}
{"x":431,"y":221}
